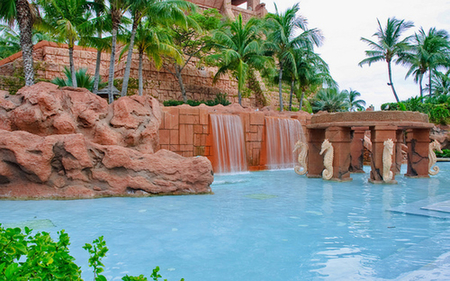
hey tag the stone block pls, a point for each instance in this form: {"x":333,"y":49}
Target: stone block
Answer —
{"x":174,"y":137}
{"x":164,"y":136}
{"x":186,"y":134}
{"x":198,"y":129}
{"x":257,"y":118}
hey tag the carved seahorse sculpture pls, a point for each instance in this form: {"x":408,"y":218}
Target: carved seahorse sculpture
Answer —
{"x":387,"y":160}
{"x":303,"y":152}
{"x":435,"y":145}
{"x":327,"y":159}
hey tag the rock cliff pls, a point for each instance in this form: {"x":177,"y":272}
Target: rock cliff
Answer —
{"x":69,"y":143}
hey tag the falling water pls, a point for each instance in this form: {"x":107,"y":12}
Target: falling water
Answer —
{"x":229,"y":144}
{"x":281,"y":136}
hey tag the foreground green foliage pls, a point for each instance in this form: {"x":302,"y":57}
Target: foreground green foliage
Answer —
{"x":27,"y":256}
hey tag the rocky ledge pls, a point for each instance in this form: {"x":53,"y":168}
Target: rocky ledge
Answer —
{"x":69,"y":143}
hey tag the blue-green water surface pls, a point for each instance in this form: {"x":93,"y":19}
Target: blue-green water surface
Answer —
{"x":269,"y":225}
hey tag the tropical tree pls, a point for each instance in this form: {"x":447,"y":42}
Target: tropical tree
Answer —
{"x":429,"y":51}
{"x":281,"y":40}
{"x":352,"y":100}
{"x":389,"y":47}
{"x":238,"y":50}
{"x":9,"y":41}
{"x":312,"y":72}
{"x":441,"y":82}
{"x":117,"y":9}
{"x":65,"y":17}
{"x":330,"y":99}
{"x":24,"y":13}
{"x":193,"y":42}
{"x":152,"y":40}
{"x":170,"y":11}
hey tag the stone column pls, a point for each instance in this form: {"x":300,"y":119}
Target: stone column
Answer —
{"x":340,"y":138}
{"x":315,"y":160}
{"x":227,"y":10}
{"x":379,"y":135}
{"x":418,"y":141}
{"x":357,"y":149}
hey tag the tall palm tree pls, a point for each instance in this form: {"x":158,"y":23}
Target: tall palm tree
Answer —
{"x":281,"y":39}
{"x":428,"y":52}
{"x":172,"y":11}
{"x":352,"y":100}
{"x":238,"y":50}
{"x":65,"y":18}
{"x":24,"y":13}
{"x":150,"y":39}
{"x":390,"y":46}
{"x":312,"y":72}
{"x":117,"y":9}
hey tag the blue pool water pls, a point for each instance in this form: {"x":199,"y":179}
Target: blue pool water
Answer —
{"x":270,"y":225}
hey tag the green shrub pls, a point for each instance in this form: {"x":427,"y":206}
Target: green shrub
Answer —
{"x":220,"y":99}
{"x":445,"y":153}
{"x":24,"y":256}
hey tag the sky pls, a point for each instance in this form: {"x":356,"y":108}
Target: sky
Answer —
{"x":344,"y":22}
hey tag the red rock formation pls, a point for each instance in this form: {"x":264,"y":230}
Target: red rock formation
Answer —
{"x":68,"y":143}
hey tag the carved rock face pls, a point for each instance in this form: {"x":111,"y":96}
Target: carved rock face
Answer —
{"x":70,"y":143}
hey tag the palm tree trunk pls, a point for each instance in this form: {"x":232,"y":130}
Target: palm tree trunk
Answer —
{"x":141,"y":82}
{"x":240,"y":97}
{"x":72,"y":67}
{"x":390,"y":81}
{"x":25,"y":20}
{"x":111,"y":65}
{"x":280,"y":77}
{"x":126,"y":76}
{"x":301,"y":101}
{"x":291,"y":94}
{"x":97,"y":66}
{"x":429,"y":82}
{"x":97,"y":72}
{"x":180,"y":82}
{"x":421,"y":87}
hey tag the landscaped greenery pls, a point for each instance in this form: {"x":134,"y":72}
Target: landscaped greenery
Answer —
{"x":25,"y":255}
{"x":220,"y":99}
{"x":171,"y":33}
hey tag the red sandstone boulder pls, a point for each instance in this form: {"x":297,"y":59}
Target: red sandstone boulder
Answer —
{"x":69,"y":143}
{"x":44,"y":109}
{"x":69,"y":166}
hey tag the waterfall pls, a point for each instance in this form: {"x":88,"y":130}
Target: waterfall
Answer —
{"x":281,"y":136}
{"x":228,"y":143}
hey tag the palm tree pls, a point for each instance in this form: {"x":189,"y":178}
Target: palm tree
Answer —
{"x":167,"y":10}
{"x":312,"y":72}
{"x":24,"y":13}
{"x":441,"y":82}
{"x":84,"y":80}
{"x":150,"y":39}
{"x":331,"y":100}
{"x":390,"y":46}
{"x":9,"y":41}
{"x":116,"y":10}
{"x":65,"y":18}
{"x":238,"y":50}
{"x":281,"y":28}
{"x":428,"y":52}
{"x":352,"y":100}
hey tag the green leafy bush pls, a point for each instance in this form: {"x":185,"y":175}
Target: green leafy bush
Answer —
{"x":220,"y":99}
{"x":24,"y":256}
{"x":445,"y":153}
